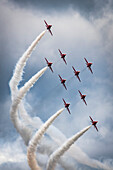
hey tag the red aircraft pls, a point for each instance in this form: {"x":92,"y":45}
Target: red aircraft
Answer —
{"x":66,"y":106}
{"x":94,"y":123}
{"x":88,"y":65}
{"x":63,"y":81}
{"x":62,"y":56}
{"x":49,"y":64}
{"x":76,"y":73}
{"x":48,"y":27}
{"x":82,"y":97}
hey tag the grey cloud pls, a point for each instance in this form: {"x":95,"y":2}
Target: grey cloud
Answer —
{"x":86,"y":7}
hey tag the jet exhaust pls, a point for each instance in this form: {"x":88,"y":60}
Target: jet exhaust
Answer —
{"x":18,"y":72}
{"x":24,"y":131}
{"x":63,"y":148}
{"x":32,"y":148}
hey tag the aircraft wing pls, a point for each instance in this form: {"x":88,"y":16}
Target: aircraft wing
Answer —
{"x":78,"y":78}
{"x":64,"y":60}
{"x":65,"y":86}
{"x":96,"y":127}
{"x":90,"y":70}
{"x":60,"y":77}
{"x":51,"y":68}
{"x":84,"y":101}
{"x":46,"y":23}
{"x":74,"y":69}
{"x":91,"y":118}
{"x":64,"y":101}
{"x":46,"y":60}
{"x":68,"y":110}
{"x":60,"y":52}
{"x":80,"y":93}
{"x":50,"y":32}
{"x":86,"y":60}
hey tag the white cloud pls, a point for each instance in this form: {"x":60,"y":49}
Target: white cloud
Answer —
{"x":12,"y":152}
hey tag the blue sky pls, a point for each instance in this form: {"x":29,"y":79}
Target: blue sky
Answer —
{"x":79,"y":30}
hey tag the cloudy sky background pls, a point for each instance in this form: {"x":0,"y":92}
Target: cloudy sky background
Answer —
{"x":80,"y":29}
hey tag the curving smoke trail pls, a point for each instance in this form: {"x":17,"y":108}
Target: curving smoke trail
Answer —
{"x":22,"y":129}
{"x":32,"y":148}
{"x":59,"y":138}
{"x":61,"y":150}
{"x":18,"y":72}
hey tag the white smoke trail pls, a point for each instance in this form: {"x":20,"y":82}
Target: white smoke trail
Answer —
{"x":59,"y":138}
{"x":22,"y":129}
{"x":61,"y":150}
{"x":17,"y":76}
{"x":80,"y":156}
{"x":31,"y":151}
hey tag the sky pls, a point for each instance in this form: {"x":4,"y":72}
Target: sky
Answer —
{"x":80,"y":29}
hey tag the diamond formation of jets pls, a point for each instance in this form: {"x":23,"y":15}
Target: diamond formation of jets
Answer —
{"x":66,"y":106}
{"x":49,"y":64}
{"x":82,"y":96}
{"x":48,"y":27}
{"x":94,"y":123}
{"x":76,"y":74}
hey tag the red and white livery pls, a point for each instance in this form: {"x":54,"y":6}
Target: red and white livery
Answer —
{"x":88,"y":65}
{"x":82,"y":96}
{"x":62,"y":56}
{"x":49,"y":64}
{"x":63,"y":81}
{"x":48,"y":27}
{"x":66,"y":106}
{"x":76,"y":73}
{"x":94,"y":123}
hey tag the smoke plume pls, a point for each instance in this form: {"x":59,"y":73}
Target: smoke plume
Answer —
{"x":61,"y":150}
{"x":14,"y":109}
{"x":24,"y":131}
{"x":18,"y":72}
{"x":31,"y":152}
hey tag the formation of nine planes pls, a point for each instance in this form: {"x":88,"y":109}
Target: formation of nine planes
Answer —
{"x":49,"y":64}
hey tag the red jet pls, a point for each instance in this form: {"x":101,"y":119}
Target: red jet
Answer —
{"x":48,"y":27}
{"x":66,"y":106}
{"x":76,"y":73}
{"x":49,"y":64}
{"x":88,"y":65}
{"x":82,"y":97}
{"x":94,"y":123}
{"x":63,"y":81}
{"x":62,"y":56}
